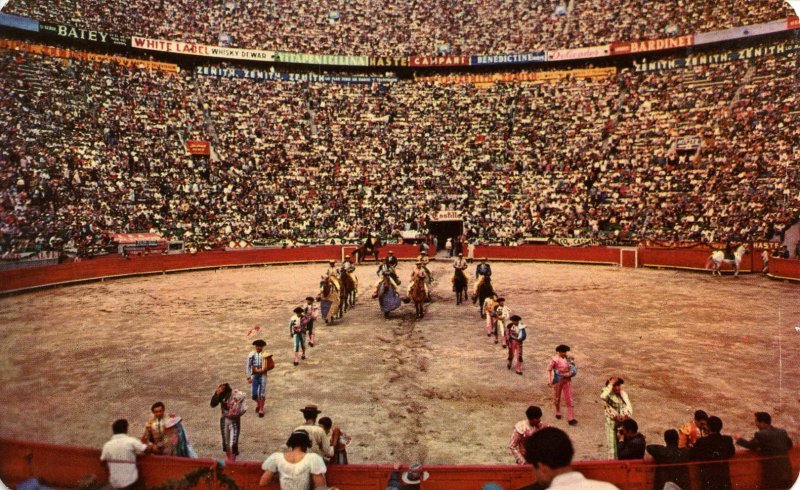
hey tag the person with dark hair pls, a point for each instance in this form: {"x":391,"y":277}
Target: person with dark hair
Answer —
{"x":297,"y":332}
{"x":320,"y":443}
{"x":232,"y":404}
{"x":618,"y":408}
{"x":338,"y":439}
{"x":671,"y":455}
{"x":119,"y":453}
{"x":154,"y":428}
{"x":501,"y":316}
{"x":714,"y":447}
{"x":258,"y":364}
{"x":774,"y":444}
{"x":550,"y":453}
{"x":560,"y":371}
{"x":691,"y":431}
{"x":311,"y":312}
{"x":516,"y":334}
{"x":630,"y":442}
{"x":524,"y":429}
{"x":482,"y":271}
{"x":296,"y":468}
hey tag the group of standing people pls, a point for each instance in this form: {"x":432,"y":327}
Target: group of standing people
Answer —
{"x":310,"y":447}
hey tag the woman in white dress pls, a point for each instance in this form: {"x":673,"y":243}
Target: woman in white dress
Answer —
{"x":295,"y":468}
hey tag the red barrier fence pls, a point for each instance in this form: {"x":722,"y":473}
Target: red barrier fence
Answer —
{"x":117,"y":266}
{"x":65,"y":467}
{"x":785,"y":269}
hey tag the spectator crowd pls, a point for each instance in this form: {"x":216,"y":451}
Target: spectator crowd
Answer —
{"x":92,"y":149}
{"x":387,"y":28}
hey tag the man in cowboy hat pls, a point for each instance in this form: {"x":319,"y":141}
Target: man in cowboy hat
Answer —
{"x":483,"y":271}
{"x":258,"y":363}
{"x":388,"y":266}
{"x":458,"y":264}
{"x":421,"y":273}
{"x":391,"y":259}
{"x":331,"y":273}
{"x":320,"y":443}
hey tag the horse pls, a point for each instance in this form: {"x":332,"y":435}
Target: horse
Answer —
{"x":717,"y":258}
{"x":368,"y":249}
{"x":417,"y":295}
{"x":484,"y":291}
{"x":388,"y":298}
{"x":460,"y":282}
{"x":345,"y":292}
{"x":329,"y":300}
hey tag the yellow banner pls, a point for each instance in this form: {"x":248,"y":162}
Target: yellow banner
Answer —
{"x":534,"y":76}
{"x":83,"y":55}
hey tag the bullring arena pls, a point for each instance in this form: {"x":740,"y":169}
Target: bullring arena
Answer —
{"x":175,"y":177}
{"x":433,"y":390}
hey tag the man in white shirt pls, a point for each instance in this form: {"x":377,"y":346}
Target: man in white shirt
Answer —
{"x":550,"y":452}
{"x":119,"y":453}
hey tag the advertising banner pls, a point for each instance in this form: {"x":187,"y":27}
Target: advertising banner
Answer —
{"x":688,"y":143}
{"x":17,"y":22}
{"x":444,"y":60}
{"x":180,"y":47}
{"x":83,"y":34}
{"x":582,"y":73}
{"x":445,"y":216}
{"x":508,"y":59}
{"x":633,"y":47}
{"x":82,"y":55}
{"x":531,"y":76}
{"x":717,"y":58}
{"x":579,"y":53}
{"x":255,"y":74}
{"x":793,"y":22}
{"x":739,"y":32}
{"x":388,"y":61}
{"x":321,"y":59}
{"x":196,"y":147}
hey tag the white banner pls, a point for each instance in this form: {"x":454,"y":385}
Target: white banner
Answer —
{"x":180,"y":47}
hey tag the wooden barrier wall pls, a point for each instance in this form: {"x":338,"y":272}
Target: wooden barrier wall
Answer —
{"x":115,"y":266}
{"x":785,"y":269}
{"x":65,"y":467}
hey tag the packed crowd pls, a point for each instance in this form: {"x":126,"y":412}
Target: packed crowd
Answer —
{"x":386,"y":28}
{"x":96,"y":148}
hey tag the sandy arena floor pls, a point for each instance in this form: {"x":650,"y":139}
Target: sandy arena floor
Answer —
{"x":435,"y":391}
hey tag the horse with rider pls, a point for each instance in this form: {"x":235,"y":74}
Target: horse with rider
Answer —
{"x":370,"y":246}
{"x":459,"y":279}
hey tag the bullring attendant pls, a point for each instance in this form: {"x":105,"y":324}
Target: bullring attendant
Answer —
{"x":119,"y":453}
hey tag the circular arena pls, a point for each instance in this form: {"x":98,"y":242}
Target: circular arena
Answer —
{"x":176,"y":175}
{"x":434,"y":390}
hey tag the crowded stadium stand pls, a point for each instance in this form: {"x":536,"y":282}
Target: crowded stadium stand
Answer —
{"x":597,"y":158}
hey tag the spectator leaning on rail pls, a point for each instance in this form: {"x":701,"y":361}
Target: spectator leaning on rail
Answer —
{"x":773,"y":444}
{"x":119,"y":453}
